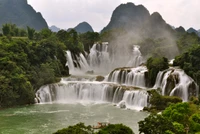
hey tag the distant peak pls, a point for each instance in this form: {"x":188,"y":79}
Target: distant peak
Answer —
{"x":83,"y":27}
{"x":157,"y":17}
{"x":156,"y":14}
{"x":180,"y":29}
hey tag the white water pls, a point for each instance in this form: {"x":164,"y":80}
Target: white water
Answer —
{"x":99,"y":60}
{"x":136,"y":57}
{"x":129,"y":76}
{"x":85,"y":92}
{"x":174,"y":82}
{"x":125,"y":87}
{"x":77,"y":64}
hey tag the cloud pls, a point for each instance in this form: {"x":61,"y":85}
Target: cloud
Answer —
{"x":175,"y":12}
{"x":68,"y":13}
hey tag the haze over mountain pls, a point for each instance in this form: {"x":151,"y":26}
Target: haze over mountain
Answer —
{"x":132,"y":24}
{"x":83,"y":27}
{"x":54,"y":28}
{"x":137,"y":19}
{"x":192,"y":30}
{"x":20,"y":13}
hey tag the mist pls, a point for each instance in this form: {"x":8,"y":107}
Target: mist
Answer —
{"x":149,"y":31}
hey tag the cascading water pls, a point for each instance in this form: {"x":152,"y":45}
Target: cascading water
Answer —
{"x":174,"y":82}
{"x":98,"y":57}
{"x":76,"y":64}
{"x":125,"y":87}
{"x":128,"y":76}
{"x":91,"y":92}
{"x":99,"y":61}
{"x":136,"y":57}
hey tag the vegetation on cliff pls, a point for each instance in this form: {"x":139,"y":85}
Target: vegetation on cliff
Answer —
{"x":189,"y":61}
{"x":154,"y":65}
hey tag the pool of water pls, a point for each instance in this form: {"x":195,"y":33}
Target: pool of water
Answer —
{"x":48,"y":118}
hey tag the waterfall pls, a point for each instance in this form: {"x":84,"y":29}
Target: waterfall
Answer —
{"x":90,"y":92}
{"x":70,"y":63}
{"x":128,"y":76}
{"x":136,"y":57}
{"x":125,"y":87}
{"x":76,"y":64}
{"x":135,"y":98}
{"x":175,"y":82}
{"x":99,"y":57}
{"x":99,"y":61}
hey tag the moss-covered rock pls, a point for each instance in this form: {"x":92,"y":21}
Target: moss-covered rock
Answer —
{"x":99,"y":78}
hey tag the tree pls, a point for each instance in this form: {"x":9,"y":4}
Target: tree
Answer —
{"x":115,"y":129}
{"x":158,"y":102}
{"x":6,"y":29}
{"x":154,"y":65}
{"x":155,"y":124}
{"x":189,"y":61}
{"x":175,"y":119}
{"x":88,"y":39}
{"x":30,"y":32}
{"x":79,"y":128}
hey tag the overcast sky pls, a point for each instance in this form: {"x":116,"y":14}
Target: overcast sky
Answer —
{"x":68,"y":13}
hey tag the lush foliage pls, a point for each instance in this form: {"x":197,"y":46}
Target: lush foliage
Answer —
{"x":71,"y":40}
{"x":28,"y":63}
{"x":88,"y":39}
{"x":186,"y":40}
{"x":13,"y":30}
{"x":175,"y":119}
{"x":115,"y":129}
{"x":158,"y":102}
{"x":80,"y":128}
{"x":31,"y":32}
{"x":155,"y":65}
{"x":189,"y":61}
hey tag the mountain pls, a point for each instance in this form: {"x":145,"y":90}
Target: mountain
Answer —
{"x":19,"y":12}
{"x":54,"y":28}
{"x":83,"y":27}
{"x":137,"y":20}
{"x":192,"y":30}
{"x":180,"y":29}
{"x":128,"y":16}
{"x":132,"y":24}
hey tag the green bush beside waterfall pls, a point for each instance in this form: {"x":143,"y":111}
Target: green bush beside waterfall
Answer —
{"x":154,"y":65}
{"x":27,"y":63}
{"x":178,"y":118}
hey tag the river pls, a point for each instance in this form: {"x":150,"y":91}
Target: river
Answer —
{"x":48,"y":118}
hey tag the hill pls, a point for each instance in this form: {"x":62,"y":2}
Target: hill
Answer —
{"x":137,"y":19}
{"x":19,"y":12}
{"x":54,"y":28}
{"x":192,"y":30}
{"x":83,"y":27}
